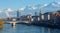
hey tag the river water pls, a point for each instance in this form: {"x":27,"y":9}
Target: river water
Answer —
{"x":21,"y":28}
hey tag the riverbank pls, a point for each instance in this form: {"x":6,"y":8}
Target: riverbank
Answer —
{"x":46,"y":24}
{"x":39,"y":23}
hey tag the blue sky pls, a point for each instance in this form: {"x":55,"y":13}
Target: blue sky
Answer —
{"x":16,"y":4}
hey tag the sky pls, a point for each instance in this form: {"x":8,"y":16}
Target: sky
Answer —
{"x":16,"y":4}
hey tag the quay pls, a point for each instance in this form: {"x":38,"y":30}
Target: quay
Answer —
{"x":37,"y":23}
{"x":49,"y":19}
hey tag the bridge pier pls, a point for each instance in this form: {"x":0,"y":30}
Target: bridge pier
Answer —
{"x":13,"y":22}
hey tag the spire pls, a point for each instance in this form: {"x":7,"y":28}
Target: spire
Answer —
{"x":40,"y":12}
{"x":40,"y":15}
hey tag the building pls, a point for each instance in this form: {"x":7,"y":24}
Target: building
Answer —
{"x":49,"y":16}
{"x":57,"y":17}
{"x":35,"y":18}
{"x":18,"y":15}
{"x":40,"y":16}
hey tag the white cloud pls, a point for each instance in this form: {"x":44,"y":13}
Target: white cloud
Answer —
{"x":22,"y":9}
{"x":33,"y":7}
{"x":53,"y":4}
{"x":58,"y":2}
{"x":44,"y":5}
{"x":9,"y":10}
{"x":0,"y":11}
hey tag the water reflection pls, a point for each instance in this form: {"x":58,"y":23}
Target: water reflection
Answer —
{"x":14,"y":27}
{"x":42,"y":29}
{"x":1,"y":29}
{"x":48,"y":30}
{"x":21,"y":28}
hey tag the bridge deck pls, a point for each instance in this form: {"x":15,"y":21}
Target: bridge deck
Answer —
{"x":17,"y":22}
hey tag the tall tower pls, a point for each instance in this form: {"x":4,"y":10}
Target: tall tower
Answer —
{"x":35,"y":13}
{"x":18,"y":14}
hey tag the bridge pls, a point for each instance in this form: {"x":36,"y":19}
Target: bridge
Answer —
{"x":17,"y":22}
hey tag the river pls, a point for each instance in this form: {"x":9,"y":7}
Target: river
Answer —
{"x":22,"y":28}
